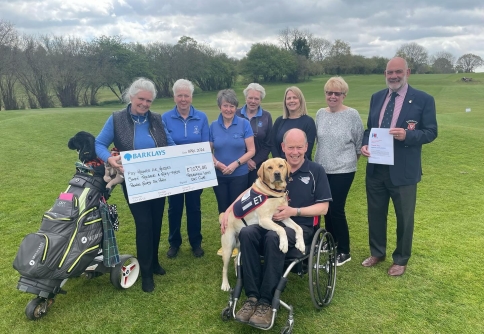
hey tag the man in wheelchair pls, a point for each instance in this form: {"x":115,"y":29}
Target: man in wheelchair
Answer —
{"x":309,"y":194}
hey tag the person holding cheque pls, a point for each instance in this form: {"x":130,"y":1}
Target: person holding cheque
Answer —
{"x":132,"y":128}
{"x":410,"y":116}
{"x":186,"y":125}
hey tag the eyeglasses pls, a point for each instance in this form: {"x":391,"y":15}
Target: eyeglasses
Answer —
{"x":335,"y":93}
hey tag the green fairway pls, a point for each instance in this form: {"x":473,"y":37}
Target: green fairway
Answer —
{"x":441,"y":291}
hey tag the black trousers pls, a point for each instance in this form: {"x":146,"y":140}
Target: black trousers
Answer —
{"x":335,"y":220}
{"x":379,"y":190}
{"x":253,"y":176}
{"x":148,"y":217}
{"x":192,"y":203}
{"x":259,"y":282}
{"x":228,"y":189}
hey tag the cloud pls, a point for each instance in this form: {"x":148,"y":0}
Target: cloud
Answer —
{"x":371,"y":27}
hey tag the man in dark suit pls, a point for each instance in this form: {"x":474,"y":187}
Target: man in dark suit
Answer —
{"x":411,"y":118}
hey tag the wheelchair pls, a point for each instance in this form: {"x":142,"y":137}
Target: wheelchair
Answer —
{"x":319,"y":263}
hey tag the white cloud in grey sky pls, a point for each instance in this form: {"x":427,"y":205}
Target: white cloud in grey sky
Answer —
{"x":371,"y":27}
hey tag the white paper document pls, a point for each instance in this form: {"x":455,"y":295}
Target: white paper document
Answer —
{"x":380,"y":146}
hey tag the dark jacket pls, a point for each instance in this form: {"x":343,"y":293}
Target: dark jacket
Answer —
{"x":261,"y":125}
{"x":124,"y":129}
{"x":418,"y":117}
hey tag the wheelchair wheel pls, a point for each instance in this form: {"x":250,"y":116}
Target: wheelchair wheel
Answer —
{"x":322,"y":268}
{"x":288,"y":328}
{"x":226,"y":314}
{"x":125,"y":273}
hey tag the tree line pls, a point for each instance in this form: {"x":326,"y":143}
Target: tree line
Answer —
{"x":48,"y":71}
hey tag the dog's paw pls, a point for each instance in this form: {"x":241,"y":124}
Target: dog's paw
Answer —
{"x":283,"y":245}
{"x":301,"y":246}
{"x":225,"y":286}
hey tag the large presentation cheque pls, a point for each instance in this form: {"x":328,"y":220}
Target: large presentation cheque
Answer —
{"x":163,"y":171}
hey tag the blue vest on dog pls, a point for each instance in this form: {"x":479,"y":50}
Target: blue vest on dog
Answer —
{"x":250,"y":201}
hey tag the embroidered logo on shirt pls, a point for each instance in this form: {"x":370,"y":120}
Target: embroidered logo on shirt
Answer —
{"x":411,"y":124}
{"x":259,"y":124}
{"x":195,"y":130}
{"x":304,"y":179}
{"x":238,"y":135}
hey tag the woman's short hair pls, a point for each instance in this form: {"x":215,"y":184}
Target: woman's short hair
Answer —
{"x":336,"y":84}
{"x":183,"y":84}
{"x":256,"y":87}
{"x":227,"y":95}
{"x":140,"y":84}
{"x":302,"y":108}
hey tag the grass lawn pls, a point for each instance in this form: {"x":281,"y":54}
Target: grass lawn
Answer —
{"x":441,"y":292}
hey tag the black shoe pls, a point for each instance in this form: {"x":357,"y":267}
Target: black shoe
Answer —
{"x":342,"y":258}
{"x":147,"y":284}
{"x":198,"y":252}
{"x":172,"y":252}
{"x":158,"y":270}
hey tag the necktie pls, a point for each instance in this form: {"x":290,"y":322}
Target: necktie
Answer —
{"x":388,"y":115}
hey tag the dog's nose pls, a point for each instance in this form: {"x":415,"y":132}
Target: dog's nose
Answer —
{"x":277,"y":175}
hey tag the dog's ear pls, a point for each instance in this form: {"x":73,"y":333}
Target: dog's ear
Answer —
{"x":260,"y":172}
{"x":83,"y":142}
{"x":88,"y":150}
{"x":288,"y":169}
{"x":72,"y":144}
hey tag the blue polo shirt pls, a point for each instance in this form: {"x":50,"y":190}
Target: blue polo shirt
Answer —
{"x":193,"y":129}
{"x":229,"y":143}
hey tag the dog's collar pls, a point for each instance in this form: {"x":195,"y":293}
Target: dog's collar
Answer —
{"x":277,"y":191}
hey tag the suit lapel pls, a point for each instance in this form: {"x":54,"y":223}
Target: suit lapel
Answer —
{"x":379,"y":104}
{"x":406,"y":107}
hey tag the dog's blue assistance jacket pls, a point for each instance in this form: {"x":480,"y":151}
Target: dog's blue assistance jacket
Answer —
{"x":250,"y":201}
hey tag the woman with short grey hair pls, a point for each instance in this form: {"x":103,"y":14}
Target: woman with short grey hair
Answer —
{"x":228,"y":96}
{"x":183,"y":84}
{"x":141,"y":84}
{"x":261,"y":123}
{"x":186,"y":125}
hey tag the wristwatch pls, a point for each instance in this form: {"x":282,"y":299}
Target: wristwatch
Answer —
{"x":298,"y":212}
{"x":238,"y":161}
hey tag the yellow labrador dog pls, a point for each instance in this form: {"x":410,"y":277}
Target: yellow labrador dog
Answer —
{"x":257,"y":206}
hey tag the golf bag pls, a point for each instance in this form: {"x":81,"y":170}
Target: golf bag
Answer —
{"x":70,"y":235}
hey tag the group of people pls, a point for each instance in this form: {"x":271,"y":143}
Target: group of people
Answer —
{"x":242,"y":138}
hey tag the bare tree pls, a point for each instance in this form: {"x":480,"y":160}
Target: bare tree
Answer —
{"x":34,"y":72}
{"x":67,"y":56}
{"x":8,"y":56}
{"x":339,"y":48}
{"x":415,"y":55}
{"x":288,"y":35}
{"x":338,"y":59}
{"x":320,"y":48}
{"x":469,"y":62}
{"x":442,"y":62}
{"x":8,"y":34}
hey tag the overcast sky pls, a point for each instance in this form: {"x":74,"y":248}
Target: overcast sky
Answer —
{"x":371,"y":27}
